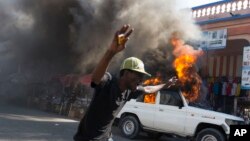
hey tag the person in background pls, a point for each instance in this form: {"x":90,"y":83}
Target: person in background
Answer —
{"x":210,"y":91}
{"x":216,"y":92}
{"x":238,"y":87}
{"x":234,"y":88}
{"x":224,"y":93}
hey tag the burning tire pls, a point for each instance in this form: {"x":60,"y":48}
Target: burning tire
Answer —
{"x":129,"y":126}
{"x":210,"y":134}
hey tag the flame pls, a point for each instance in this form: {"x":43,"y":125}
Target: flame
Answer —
{"x":184,"y":65}
{"x":188,"y":78}
{"x":152,"y":81}
{"x":150,"y":98}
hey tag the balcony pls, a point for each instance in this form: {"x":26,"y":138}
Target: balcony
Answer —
{"x":222,"y":10}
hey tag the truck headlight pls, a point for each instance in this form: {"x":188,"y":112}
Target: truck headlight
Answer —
{"x":233,"y":122}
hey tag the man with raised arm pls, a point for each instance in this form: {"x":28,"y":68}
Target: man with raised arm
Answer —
{"x":111,"y":92}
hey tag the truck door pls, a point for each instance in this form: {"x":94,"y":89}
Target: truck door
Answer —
{"x":170,"y":116}
{"x":145,"y":108}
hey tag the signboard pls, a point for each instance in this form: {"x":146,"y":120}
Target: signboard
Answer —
{"x":213,"y":39}
{"x":245,"y":77}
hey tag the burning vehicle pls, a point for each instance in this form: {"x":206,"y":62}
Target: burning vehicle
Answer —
{"x":171,"y":110}
{"x":168,"y":112}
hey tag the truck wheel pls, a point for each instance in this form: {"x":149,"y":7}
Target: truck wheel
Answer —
{"x":210,"y":134}
{"x":129,"y":127}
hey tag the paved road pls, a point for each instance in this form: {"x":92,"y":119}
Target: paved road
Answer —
{"x":142,"y":137}
{"x":23,"y":124}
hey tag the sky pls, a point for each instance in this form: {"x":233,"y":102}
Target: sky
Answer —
{"x":194,"y":3}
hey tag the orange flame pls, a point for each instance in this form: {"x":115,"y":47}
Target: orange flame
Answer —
{"x":184,"y":65}
{"x":152,"y":81}
{"x":150,"y":98}
{"x":188,"y":78}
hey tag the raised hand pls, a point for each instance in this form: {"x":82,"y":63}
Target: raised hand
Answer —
{"x":120,"y":39}
{"x":172,"y":81}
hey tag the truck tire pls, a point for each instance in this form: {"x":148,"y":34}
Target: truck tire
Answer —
{"x":129,"y":127}
{"x":210,"y":134}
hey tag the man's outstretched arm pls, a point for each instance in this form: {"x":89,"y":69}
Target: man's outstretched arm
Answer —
{"x":114,"y":48}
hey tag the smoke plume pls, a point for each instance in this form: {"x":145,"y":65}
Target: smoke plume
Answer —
{"x":153,"y":21}
{"x":35,"y":43}
{"x":43,"y":38}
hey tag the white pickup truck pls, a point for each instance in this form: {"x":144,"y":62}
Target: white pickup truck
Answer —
{"x":170,"y":114}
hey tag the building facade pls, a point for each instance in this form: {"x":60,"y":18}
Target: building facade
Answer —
{"x":231,"y":17}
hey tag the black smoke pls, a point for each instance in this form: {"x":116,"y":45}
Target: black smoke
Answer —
{"x":36,"y":43}
{"x":41,"y":39}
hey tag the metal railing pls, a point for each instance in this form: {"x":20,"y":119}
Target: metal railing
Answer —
{"x":220,"y":8}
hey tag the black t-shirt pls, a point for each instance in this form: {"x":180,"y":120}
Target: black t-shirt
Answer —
{"x":106,"y":103}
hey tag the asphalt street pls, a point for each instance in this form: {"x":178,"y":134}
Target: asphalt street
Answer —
{"x":19,"y":123}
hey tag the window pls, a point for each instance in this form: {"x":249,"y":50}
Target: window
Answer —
{"x":214,"y":34}
{"x":170,"y":98}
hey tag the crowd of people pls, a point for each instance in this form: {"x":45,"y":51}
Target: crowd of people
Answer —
{"x":225,"y":95}
{"x":222,"y":91}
